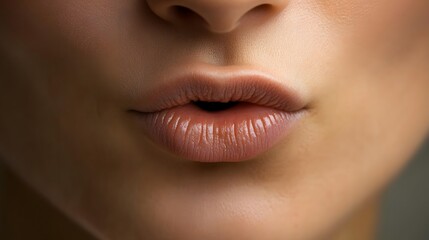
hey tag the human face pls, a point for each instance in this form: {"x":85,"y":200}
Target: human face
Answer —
{"x":71,"y":71}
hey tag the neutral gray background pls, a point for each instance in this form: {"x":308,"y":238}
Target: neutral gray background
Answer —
{"x":405,"y":210}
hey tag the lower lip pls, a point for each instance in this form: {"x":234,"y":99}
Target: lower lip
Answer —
{"x":233,"y":135}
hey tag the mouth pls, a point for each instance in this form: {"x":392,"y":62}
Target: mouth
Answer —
{"x":219,"y":116}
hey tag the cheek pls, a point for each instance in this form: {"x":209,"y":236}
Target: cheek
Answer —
{"x":371,"y":107}
{"x":357,"y":11}
{"x":378,"y":66}
{"x":374,"y":25}
{"x":372,"y":116}
{"x":47,"y":85}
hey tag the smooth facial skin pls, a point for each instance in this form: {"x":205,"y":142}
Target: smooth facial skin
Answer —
{"x":71,"y":70}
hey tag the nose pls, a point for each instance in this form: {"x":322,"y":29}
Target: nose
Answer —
{"x":218,"y":16}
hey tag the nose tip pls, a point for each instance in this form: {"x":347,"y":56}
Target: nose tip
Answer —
{"x":218,"y":16}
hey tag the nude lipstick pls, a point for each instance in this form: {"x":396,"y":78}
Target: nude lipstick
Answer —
{"x":219,"y":116}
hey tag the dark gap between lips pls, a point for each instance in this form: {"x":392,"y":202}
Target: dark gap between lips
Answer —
{"x":215,"y":106}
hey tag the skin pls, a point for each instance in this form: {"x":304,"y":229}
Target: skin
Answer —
{"x":70,"y":70}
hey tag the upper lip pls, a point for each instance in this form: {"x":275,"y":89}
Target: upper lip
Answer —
{"x":244,"y":85}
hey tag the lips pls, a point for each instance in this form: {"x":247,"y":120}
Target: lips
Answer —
{"x":219,"y":116}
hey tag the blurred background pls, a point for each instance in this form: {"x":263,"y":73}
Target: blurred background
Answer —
{"x":405,"y":211}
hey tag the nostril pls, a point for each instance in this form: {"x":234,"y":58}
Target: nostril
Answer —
{"x":182,"y":11}
{"x":261,"y":11}
{"x":216,"y":16}
{"x":263,"y":8}
{"x":186,"y":15}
